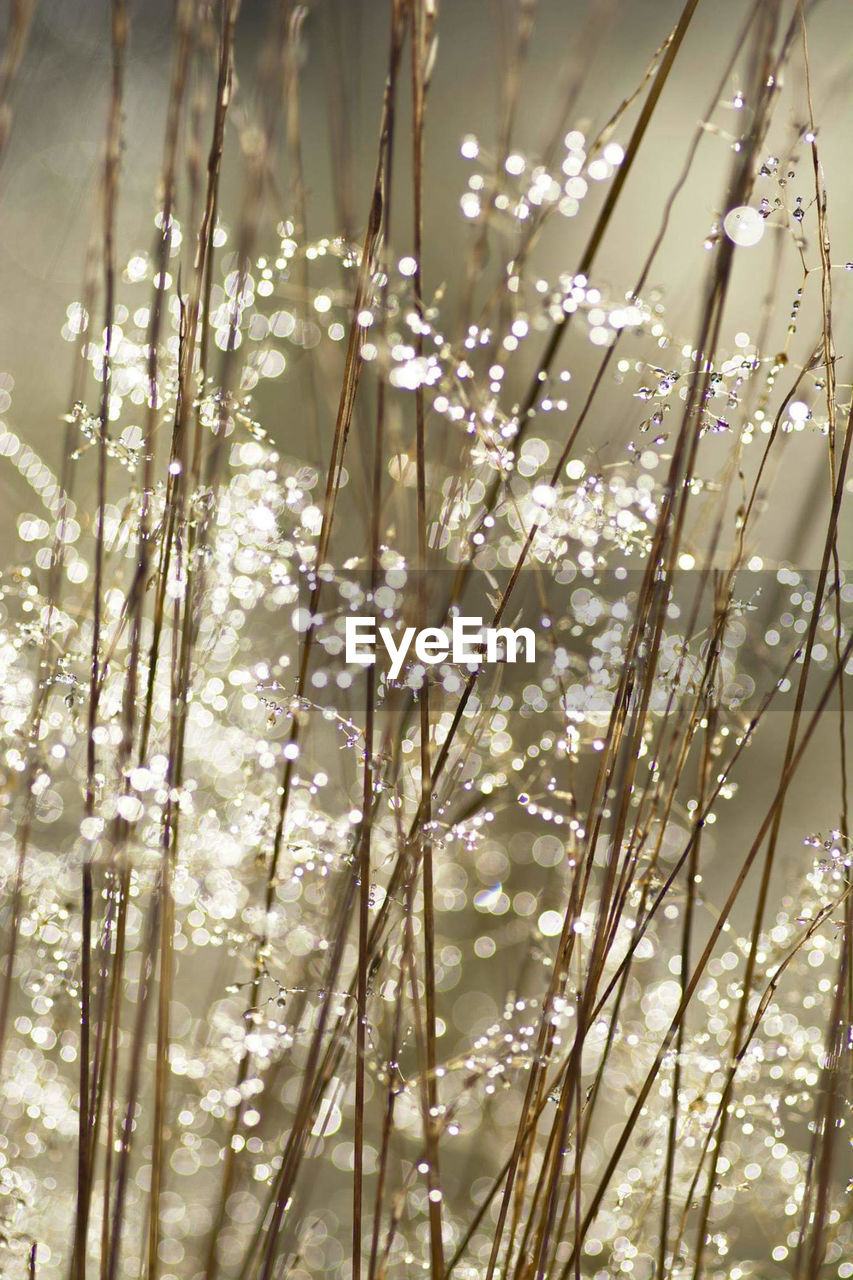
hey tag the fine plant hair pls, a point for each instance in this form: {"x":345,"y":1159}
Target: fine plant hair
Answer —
{"x":534,"y":969}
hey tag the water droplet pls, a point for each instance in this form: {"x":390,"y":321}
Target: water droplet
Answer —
{"x":744,"y":226}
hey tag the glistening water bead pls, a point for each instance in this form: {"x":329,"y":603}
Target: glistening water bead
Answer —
{"x":744,"y":226}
